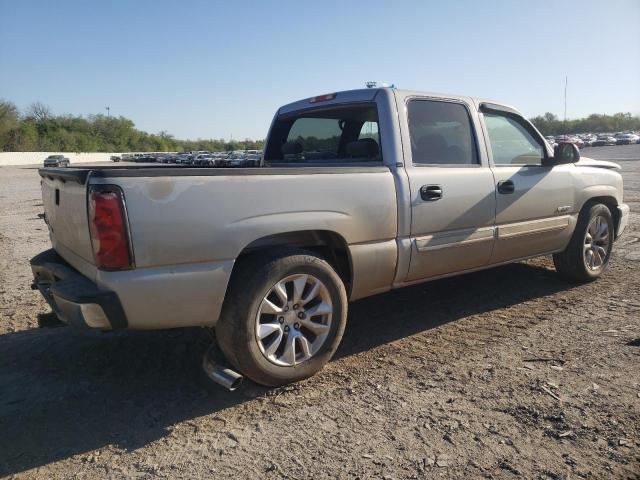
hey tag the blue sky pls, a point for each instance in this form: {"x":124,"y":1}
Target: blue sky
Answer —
{"x":215,"y":69}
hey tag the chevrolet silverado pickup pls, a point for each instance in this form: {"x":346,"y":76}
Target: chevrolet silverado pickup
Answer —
{"x":357,"y":193}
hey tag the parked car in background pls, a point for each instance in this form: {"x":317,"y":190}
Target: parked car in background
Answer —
{"x":252,"y":160}
{"x":203,"y":160}
{"x":236,"y":159}
{"x":164,"y":157}
{"x":184,"y":159}
{"x":578,"y":142}
{"x":551,"y":140}
{"x":56,"y":161}
{"x":604,"y":140}
{"x":588,"y":139}
{"x":115,"y":158}
{"x":270,"y":257}
{"x":625,"y":139}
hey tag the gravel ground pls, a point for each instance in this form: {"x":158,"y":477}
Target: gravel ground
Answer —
{"x":506,"y":373}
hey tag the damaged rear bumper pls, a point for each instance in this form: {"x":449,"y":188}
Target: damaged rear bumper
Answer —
{"x":74,"y":298}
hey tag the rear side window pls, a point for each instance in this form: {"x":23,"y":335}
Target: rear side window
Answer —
{"x":441,"y":133}
{"x":343,"y":134}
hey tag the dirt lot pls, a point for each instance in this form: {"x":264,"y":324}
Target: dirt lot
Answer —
{"x":504,"y":373}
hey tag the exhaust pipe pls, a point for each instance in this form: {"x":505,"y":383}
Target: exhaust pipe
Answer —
{"x":218,"y":372}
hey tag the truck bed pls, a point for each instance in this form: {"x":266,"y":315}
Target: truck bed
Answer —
{"x":187,"y":225}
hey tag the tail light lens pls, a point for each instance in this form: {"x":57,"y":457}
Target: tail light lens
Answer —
{"x":108,"y":228}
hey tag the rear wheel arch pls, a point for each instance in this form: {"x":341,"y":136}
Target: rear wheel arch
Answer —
{"x":326,"y":244}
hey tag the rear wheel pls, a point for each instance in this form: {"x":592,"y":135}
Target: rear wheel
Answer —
{"x":284,"y":317}
{"x":589,"y":250}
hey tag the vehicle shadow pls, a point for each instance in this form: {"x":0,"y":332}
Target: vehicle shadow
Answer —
{"x":400,"y":313}
{"x":66,"y":392}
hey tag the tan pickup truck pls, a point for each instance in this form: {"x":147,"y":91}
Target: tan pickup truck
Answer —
{"x":357,"y":193}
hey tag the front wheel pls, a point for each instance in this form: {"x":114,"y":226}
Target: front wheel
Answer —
{"x":283,"y":318}
{"x":587,"y":255}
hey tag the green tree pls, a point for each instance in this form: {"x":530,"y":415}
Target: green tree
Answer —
{"x":549,"y":124}
{"x":9,"y":118}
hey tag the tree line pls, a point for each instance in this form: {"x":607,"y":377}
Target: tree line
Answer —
{"x":549,"y":124}
{"x":38,"y":130}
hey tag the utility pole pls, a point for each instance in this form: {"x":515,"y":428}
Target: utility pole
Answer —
{"x":566,"y":81}
{"x":108,"y":109}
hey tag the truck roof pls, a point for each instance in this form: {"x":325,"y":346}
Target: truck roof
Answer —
{"x":369,"y":94}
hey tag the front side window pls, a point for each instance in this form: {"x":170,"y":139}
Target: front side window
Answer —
{"x":441,"y":133}
{"x":511,"y":143}
{"x":342,"y":134}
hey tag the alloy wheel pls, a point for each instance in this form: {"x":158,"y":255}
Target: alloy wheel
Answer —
{"x":293,"y":320}
{"x":596,"y":243}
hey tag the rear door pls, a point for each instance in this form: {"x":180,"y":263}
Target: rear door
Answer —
{"x":451,"y":186}
{"x":534,"y":202}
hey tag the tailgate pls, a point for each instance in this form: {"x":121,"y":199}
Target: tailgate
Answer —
{"x":65,"y":207}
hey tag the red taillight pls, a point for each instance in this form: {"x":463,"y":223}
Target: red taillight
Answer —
{"x":108,"y":227}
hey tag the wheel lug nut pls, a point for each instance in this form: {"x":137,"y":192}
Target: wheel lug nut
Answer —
{"x":296,"y":326}
{"x":281,"y":319}
{"x":286,"y":308}
{"x":295,"y":307}
{"x":301,"y":315}
{"x":286,"y":328}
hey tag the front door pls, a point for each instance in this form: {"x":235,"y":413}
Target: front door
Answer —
{"x":452,"y":192}
{"x":534,"y":203}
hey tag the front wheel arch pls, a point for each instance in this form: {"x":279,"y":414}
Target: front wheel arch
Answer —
{"x":571,"y":263}
{"x":611,"y":203}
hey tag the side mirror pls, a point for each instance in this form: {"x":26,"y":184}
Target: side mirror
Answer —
{"x":565,"y":153}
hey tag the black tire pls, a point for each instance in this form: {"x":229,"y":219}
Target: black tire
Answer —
{"x":252,"y":279}
{"x":571,"y":263}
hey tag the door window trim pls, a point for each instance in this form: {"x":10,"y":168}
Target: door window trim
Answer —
{"x":486,"y":107}
{"x":474,"y":134}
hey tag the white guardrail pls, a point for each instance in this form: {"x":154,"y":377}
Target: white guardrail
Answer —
{"x":32,"y":158}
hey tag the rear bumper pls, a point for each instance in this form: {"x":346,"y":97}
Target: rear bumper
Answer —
{"x":74,"y":298}
{"x":623,"y":211}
